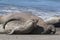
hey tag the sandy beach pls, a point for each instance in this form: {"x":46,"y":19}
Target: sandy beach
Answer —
{"x":29,"y":37}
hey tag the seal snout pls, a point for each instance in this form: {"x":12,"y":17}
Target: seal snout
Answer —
{"x":52,"y":29}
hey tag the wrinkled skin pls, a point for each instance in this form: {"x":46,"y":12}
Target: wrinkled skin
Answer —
{"x":20,"y":26}
{"x":5,"y":19}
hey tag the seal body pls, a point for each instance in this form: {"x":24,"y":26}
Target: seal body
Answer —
{"x":55,"y":20}
{"x":21,"y":16}
{"x":20,"y":26}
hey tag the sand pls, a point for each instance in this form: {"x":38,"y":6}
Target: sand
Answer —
{"x":30,"y":37}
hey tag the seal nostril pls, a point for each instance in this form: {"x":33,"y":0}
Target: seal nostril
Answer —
{"x":52,"y":29}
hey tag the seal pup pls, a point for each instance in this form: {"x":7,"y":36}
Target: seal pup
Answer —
{"x":55,"y":20}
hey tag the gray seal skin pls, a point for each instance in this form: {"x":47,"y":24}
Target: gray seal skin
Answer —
{"x":5,"y":19}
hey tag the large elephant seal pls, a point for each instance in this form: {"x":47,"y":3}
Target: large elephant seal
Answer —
{"x":5,"y":19}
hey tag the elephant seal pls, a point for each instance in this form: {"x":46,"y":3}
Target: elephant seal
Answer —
{"x":55,"y":20}
{"x":20,"y":26}
{"x":5,"y":19}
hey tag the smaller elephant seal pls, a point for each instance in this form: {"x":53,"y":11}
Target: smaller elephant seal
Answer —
{"x":20,"y":26}
{"x":55,"y":20}
{"x":23,"y":16}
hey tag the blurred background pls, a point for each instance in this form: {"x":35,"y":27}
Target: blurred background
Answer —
{"x":41,"y":8}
